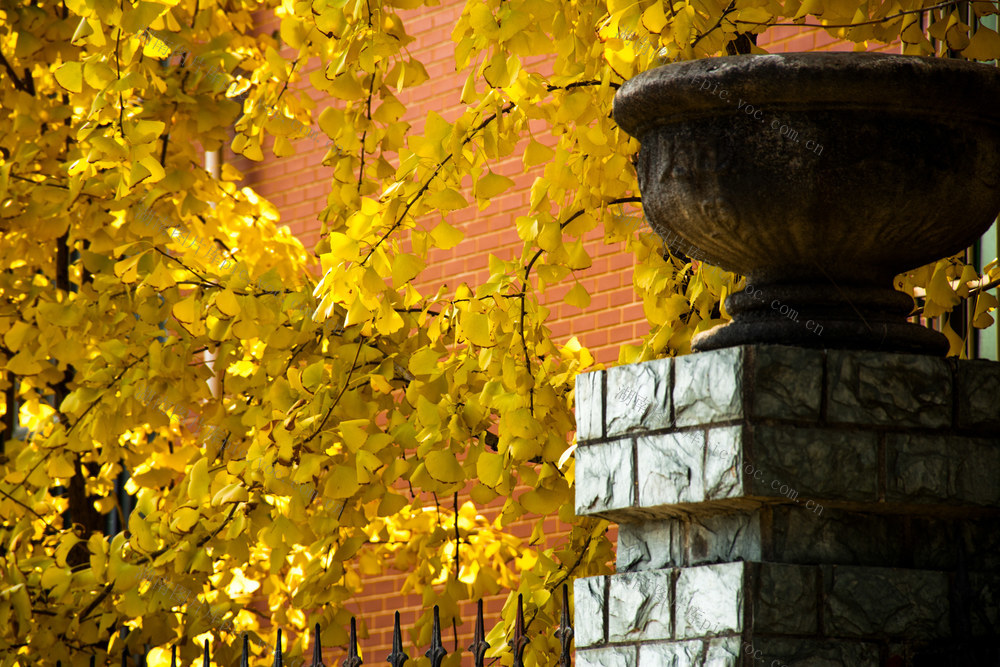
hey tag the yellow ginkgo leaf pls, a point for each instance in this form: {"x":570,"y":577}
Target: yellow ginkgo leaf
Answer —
{"x":186,"y":311}
{"x":578,"y":296}
{"x":226,"y":302}
{"x":70,"y":76}
{"x":491,"y":185}
{"x":24,"y":364}
{"x":443,"y":466}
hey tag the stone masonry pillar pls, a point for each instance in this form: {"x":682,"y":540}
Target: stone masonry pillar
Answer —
{"x":784,"y":507}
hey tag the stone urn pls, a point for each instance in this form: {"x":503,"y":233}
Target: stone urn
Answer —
{"x":820,"y":177}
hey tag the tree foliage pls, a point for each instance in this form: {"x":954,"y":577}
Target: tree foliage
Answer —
{"x":130,"y":271}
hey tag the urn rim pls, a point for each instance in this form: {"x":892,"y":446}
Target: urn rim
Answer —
{"x":881,"y":82}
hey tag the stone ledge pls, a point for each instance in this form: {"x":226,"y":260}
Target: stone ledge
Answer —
{"x":745,"y":467}
{"x":786,"y":534}
{"x":766,"y":383}
{"x":748,"y":599}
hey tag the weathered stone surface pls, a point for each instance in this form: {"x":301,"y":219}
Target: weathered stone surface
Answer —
{"x":978,"y":386}
{"x":719,"y":652}
{"x":588,"y":611}
{"x":836,"y":537}
{"x":817,"y":463}
{"x":709,"y":600}
{"x":939,"y":469}
{"x":609,"y":656}
{"x":638,"y":397}
{"x":936,"y":543}
{"x":804,"y":653}
{"x":650,"y":546}
{"x":589,"y":406}
{"x":639,"y":606}
{"x":724,"y":539}
{"x":723,"y":462}
{"x":708,"y":388}
{"x":788,"y":382}
{"x":888,"y":389}
{"x":605,"y":478}
{"x":670,"y":468}
{"x":885,"y":602}
{"x":786,"y":601}
{"x":983,"y":602}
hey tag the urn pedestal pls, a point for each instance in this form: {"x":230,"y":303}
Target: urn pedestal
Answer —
{"x":820,"y":177}
{"x":779,"y":504}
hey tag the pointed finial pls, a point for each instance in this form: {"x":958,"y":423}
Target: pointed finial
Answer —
{"x":397,"y":658}
{"x":565,"y":631}
{"x":245,"y":655}
{"x":124,"y":635}
{"x":436,"y":652}
{"x":206,"y":661}
{"x":353,"y":659}
{"x":317,"y":651}
{"x":93,"y":660}
{"x":173,"y":656}
{"x":520,"y":642}
{"x":479,"y":645}
{"x":277,"y":651}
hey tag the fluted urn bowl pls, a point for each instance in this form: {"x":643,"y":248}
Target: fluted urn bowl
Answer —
{"x":820,"y":177}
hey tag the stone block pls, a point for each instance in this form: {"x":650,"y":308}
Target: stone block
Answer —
{"x":589,"y":398}
{"x":709,"y":600}
{"x":639,"y":606}
{"x":787,"y":599}
{"x":651,"y":545}
{"x":669,"y":468}
{"x":588,"y":611}
{"x":978,"y":386}
{"x":605,"y":477}
{"x":836,"y":537}
{"x":609,"y":656}
{"x":724,"y":539}
{"x":982,"y":602}
{"x":942,"y":469}
{"x":875,"y":388}
{"x":885,"y":602}
{"x":724,"y":457}
{"x":805,"y":653}
{"x":787,"y":382}
{"x":638,"y":397}
{"x":718,"y":652}
{"x":813,"y":463}
{"x":708,"y":387}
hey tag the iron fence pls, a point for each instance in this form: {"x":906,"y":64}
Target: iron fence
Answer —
{"x":398,"y":658}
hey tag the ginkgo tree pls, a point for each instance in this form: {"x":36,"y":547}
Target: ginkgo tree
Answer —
{"x":388,"y":401}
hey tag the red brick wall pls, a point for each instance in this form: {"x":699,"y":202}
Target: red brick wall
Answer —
{"x":298,"y":185}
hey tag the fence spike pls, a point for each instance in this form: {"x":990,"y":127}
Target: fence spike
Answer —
{"x":397,"y":658}
{"x":173,"y":656}
{"x":479,"y":644}
{"x":437,"y":651}
{"x":353,"y":659}
{"x":206,"y":660}
{"x":93,"y":660}
{"x":317,"y":651}
{"x":124,"y":635}
{"x":565,"y":631}
{"x":277,"y":651}
{"x":520,"y":642}
{"x":245,"y":655}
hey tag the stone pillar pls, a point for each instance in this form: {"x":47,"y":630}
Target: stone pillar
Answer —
{"x":782,"y":506}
